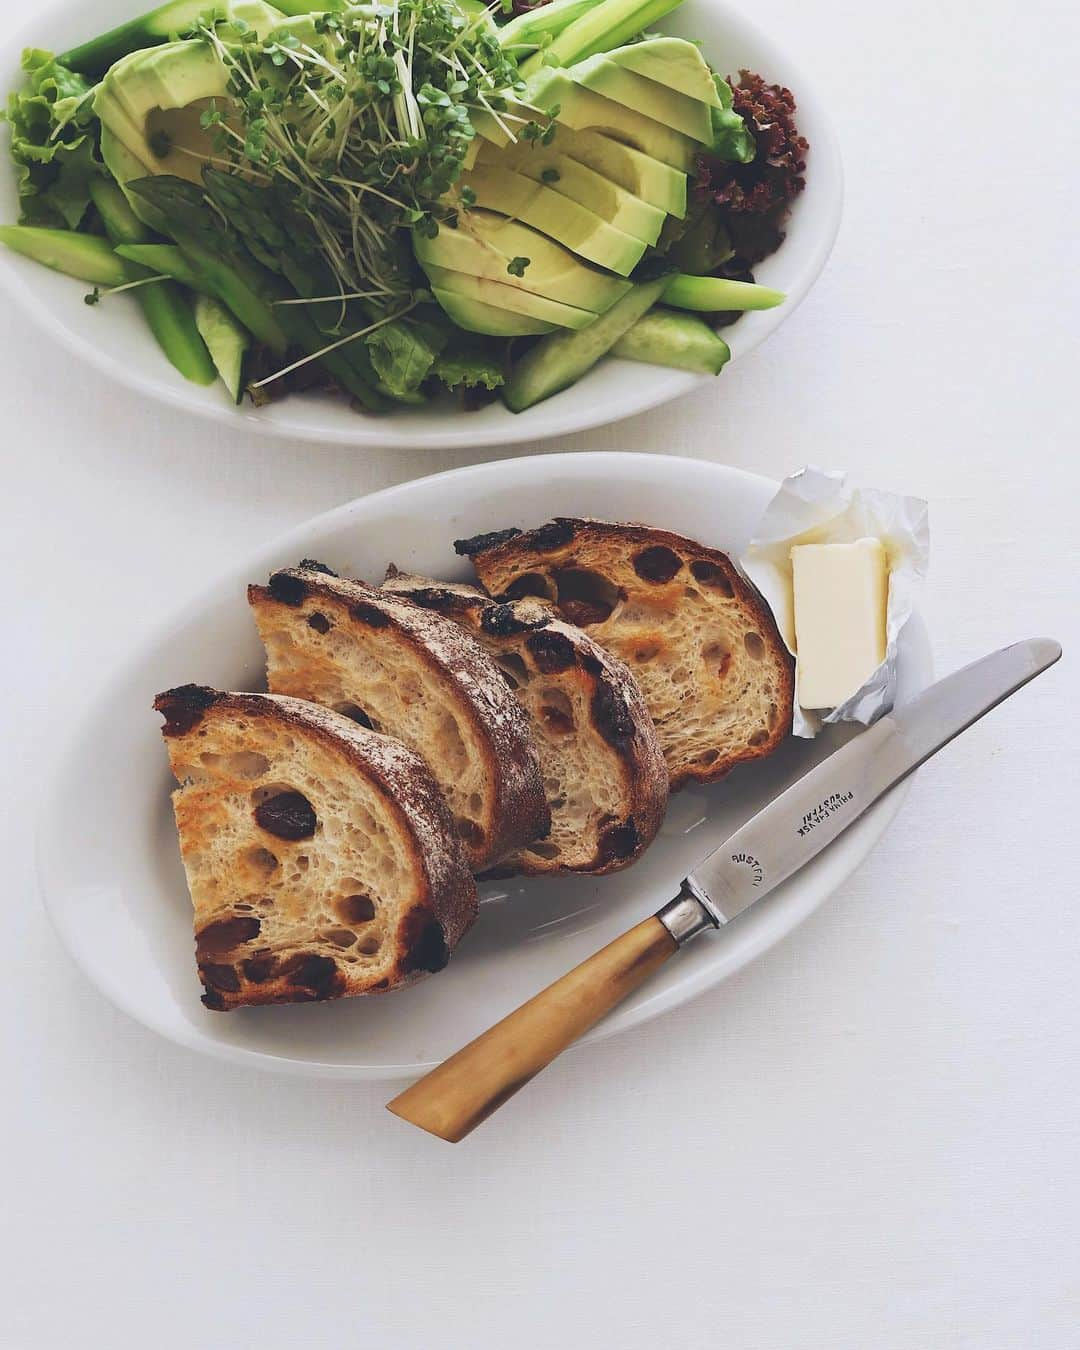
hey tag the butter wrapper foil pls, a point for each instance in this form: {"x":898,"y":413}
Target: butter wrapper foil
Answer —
{"x":816,"y":506}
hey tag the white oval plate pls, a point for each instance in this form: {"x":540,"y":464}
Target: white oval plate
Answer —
{"x":113,"y":336}
{"x":107,"y":852}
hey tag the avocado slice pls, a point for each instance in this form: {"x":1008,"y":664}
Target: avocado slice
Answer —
{"x":567,"y":222}
{"x":484,"y":243}
{"x":581,"y":184}
{"x":498,"y":296}
{"x":658,"y":184}
{"x":676,"y":110}
{"x":476,"y":317}
{"x":585,"y":110}
{"x":152,"y":102}
{"x":672,"y":62}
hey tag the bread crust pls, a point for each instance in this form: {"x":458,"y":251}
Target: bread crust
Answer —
{"x":624,"y":733}
{"x":654,"y":571}
{"x":446,"y":656}
{"x":444,"y":904}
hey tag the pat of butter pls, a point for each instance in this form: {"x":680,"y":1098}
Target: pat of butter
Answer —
{"x":841,"y":600}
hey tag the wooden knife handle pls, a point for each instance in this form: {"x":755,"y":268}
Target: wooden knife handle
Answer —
{"x":460,"y":1094}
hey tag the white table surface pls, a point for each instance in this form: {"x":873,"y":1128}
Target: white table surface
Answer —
{"x":868,"y":1140}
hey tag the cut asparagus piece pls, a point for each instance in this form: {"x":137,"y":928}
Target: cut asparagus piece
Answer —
{"x":663,"y":338}
{"x":600,"y":29}
{"x":148,"y":30}
{"x":562,"y":358}
{"x":167,"y":260}
{"x":717,"y":295}
{"x":165,"y":306}
{"x":85,"y":256}
{"x":528,"y":30}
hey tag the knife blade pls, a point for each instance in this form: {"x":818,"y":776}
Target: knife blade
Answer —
{"x":794,"y":828}
{"x":785,"y":835}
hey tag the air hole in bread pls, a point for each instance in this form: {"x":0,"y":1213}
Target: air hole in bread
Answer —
{"x":340,"y":937}
{"x":647,"y":651}
{"x":514,"y":669}
{"x":759,"y":737}
{"x":303,"y":862}
{"x":556,"y":712}
{"x":709,"y":757}
{"x":369,"y":946}
{"x":241,"y":764}
{"x":262,"y":860}
{"x":774,"y":713}
{"x":355,"y":909}
{"x":585,"y":597}
{"x":469,"y":831}
{"x":355,"y":714}
{"x":544,"y":850}
{"x":284,"y":813}
{"x":713,"y":575}
{"x":755,"y":645}
{"x":717,"y":657}
{"x":225,"y":935}
{"x":530,"y":583}
{"x":476,"y":802}
{"x":319,"y":622}
{"x":657,"y":564}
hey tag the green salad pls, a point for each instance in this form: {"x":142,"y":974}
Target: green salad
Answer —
{"x":401,"y":201}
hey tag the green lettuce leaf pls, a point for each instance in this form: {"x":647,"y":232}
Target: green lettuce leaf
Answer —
{"x":472,"y":365}
{"x":403,"y":354}
{"x":732,"y":139}
{"x":53,"y":142}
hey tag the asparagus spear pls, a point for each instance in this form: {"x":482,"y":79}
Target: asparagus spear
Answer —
{"x":94,"y":58}
{"x":282,"y":240}
{"x":601,"y":28}
{"x":715,"y":295}
{"x":149,"y":30}
{"x":165,"y":306}
{"x":530,"y":29}
{"x":85,"y":256}
{"x":166,"y":260}
{"x":224,"y":269}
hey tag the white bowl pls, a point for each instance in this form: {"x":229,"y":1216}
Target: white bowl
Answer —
{"x":107,"y":852}
{"x":113,"y":336}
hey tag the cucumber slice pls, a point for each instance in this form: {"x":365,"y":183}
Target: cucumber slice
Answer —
{"x":561,"y":359}
{"x":228,"y":342}
{"x":664,"y":338}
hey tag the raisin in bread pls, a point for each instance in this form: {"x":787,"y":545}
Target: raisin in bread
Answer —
{"x":321,"y":858}
{"x":603,"y":768}
{"x":701,"y":642}
{"x":420,"y":678}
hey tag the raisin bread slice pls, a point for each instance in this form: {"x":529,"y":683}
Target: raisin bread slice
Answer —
{"x":420,"y":678}
{"x":321,"y":858}
{"x":603,"y":768}
{"x":703,"y":645}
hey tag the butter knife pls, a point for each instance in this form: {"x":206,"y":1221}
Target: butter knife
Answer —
{"x":461,"y":1093}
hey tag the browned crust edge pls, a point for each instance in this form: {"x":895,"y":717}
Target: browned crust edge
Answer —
{"x":641,"y":760}
{"x":556,"y":541}
{"x":406,"y":786}
{"x":520,"y":811}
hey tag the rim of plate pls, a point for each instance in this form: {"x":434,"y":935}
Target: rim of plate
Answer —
{"x":300,"y":422}
{"x":818,"y":881}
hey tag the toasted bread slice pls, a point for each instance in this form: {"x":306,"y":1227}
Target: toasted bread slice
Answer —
{"x":321,"y":858}
{"x":701,"y":642}
{"x":604,"y":770}
{"x":416,"y":676}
